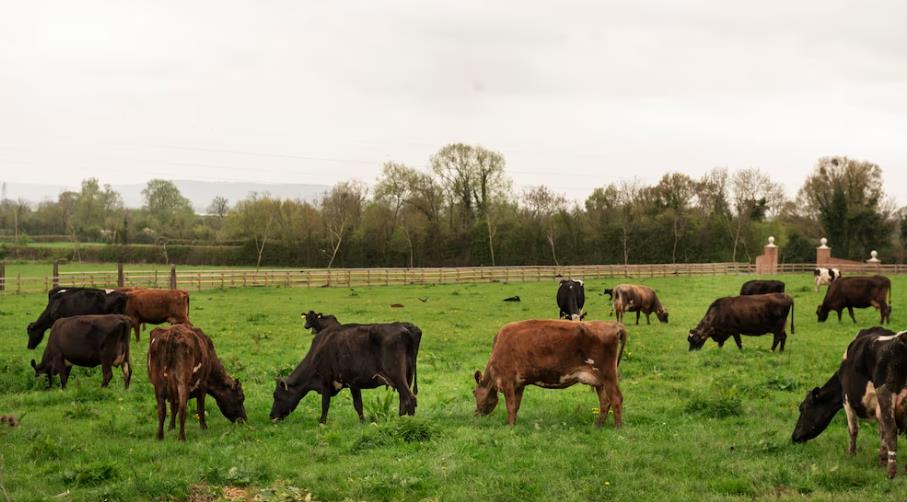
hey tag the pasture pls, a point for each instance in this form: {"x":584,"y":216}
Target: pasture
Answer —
{"x":708,"y":425}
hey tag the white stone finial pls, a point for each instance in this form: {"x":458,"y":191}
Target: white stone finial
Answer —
{"x":771,"y":241}
{"x":874,"y":257}
{"x":823,"y":243}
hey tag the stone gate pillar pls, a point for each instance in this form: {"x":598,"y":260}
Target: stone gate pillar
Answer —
{"x":823,"y":253}
{"x":768,"y":262}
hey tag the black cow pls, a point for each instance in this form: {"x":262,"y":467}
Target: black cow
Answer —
{"x":357,"y":356}
{"x":859,"y":292}
{"x":87,"y":340}
{"x":759,"y":287}
{"x":753,"y":315}
{"x":571,"y":296}
{"x":67,"y":302}
{"x":869,"y":384}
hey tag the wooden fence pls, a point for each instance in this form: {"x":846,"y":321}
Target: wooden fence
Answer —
{"x":350,"y":277}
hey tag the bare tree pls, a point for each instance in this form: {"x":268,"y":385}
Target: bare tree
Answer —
{"x":544,"y":207}
{"x":755,"y":196}
{"x":254,"y":218}
{"x":341,"y":209}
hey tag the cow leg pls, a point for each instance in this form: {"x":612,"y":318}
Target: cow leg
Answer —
{"x":200,"y":409}
{"x":839,"y":316}
{"x":637,"y":318}
{"x":512,"y":397}
{"x":888,"y":428}
{"x":161,"y":413}
{"x":609,"y":395}
{"x":126,"y":368}
{"x":357,"y":402}
{"x":64,"y":376}
{"x":738,"y":342}
{"x":648,"y":320}
{"x":853,"y":428}
{"x":850,"y":311}
{"x":783,"y":340}
{"x":135,"y":327}
{"x":325,"y":405}
{"x":107,"y":371}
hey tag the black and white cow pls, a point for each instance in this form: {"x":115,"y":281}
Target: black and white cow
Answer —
{"x":571,"y":296}
{"x":869,"y":384}
{"x":825,"y":276}
{"x":67,"y":302}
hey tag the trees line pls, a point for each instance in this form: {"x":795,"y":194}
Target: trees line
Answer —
{"x":463,"y":211}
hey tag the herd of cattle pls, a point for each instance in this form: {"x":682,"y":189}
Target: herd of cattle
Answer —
{"x":91,"y":327}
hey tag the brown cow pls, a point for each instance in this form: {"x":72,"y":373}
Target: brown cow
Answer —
{"x":859,"y":292}
{"x":639,"y":299}
{"x":155,"y":306}
{"x":554,"y":355}
{"x":182,"y":364}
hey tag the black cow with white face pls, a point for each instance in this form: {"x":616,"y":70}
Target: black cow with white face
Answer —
{"x":752,"y":315}
{"x":571,"y":296}
{"x":354,"y":356}
{"x":68,"y":302}
{"x":869,"y":384}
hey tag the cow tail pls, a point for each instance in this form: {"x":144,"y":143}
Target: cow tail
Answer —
{"x":792,"y":331}
{"x":623,"y":343}
{"x":417,"y":339}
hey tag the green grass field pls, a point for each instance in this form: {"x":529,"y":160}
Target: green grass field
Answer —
{"x":710,"y":425}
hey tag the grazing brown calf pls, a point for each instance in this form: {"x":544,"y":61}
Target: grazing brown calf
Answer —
{"x":155,"y":306}
{"x":182,"y":364}
{"x":639,"y":299}
{"x":554,"y":355}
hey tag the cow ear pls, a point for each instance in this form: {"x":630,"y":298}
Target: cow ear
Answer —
{"x":283,"y":383}
{"x":478,"y":376}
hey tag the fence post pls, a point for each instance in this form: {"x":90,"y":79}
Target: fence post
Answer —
{"x":120,"y":279}
{"x":56,"y":274}
{"x":172,"y":276}
{"x":3,"y":276}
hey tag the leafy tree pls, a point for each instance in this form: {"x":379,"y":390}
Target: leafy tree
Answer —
{"x":341,"y":209}
{"x":169,"y":211}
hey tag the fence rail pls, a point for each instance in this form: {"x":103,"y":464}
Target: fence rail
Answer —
{"x":349,"y":277}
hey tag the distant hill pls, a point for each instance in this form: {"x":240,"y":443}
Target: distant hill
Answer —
{"x":199,"y":192}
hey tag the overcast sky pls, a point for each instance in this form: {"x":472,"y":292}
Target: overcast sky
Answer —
{"x":574,"y":94}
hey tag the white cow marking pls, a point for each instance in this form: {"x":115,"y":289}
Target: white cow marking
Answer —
{"x":590,"y":361}
{"x":889,"y":337}
{"x":195,"y":369}
{"x":337,"y":385}
{"x":108,"y":291}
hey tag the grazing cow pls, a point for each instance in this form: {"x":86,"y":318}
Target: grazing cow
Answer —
{"x":825,"y":276}
{"x":86,"y":340}
{"x":155,"y":306}
{"x":757,"y":287}
{"x":571,"y":296}
{"x":357,"y":356}
{"x":182,"y":364}
{"x":639,"y":299}
{"x":553,"y":355}
{"x":67,"y":302}
{"x":859,"y":292}
{"x":869,"y":384}
{"x":752,"y":315}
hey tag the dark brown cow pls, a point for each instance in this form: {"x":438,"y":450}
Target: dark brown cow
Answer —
{"x":859,"y":292}
{"x":761,"y":287}
{"x":182,"y":364}
{"x":554,"y":355}
{"x":639,"y":299}
{"x":752,"y":315}
{"x":155,"y":306}
{"x":89,"y":341}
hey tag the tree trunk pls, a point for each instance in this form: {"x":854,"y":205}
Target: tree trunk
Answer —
{"x":336,"y":247}
{"x":553,"y":252}
{"x":409,"y":240}
{"x":490,"y":237}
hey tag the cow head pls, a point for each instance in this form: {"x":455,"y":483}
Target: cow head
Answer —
{"x":486,"y":394}
{"x":609,"y":292}
{"x":318,"y":321}
{"x":662,"y":315}
{"x":230,"y":400}
{"x":39,"y":368}
{"x":822,"y":313}
{"x":697,"y":338}
{"x":817,"y":411}
{"x":285,"y":400}
{"x":35,"y":335}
